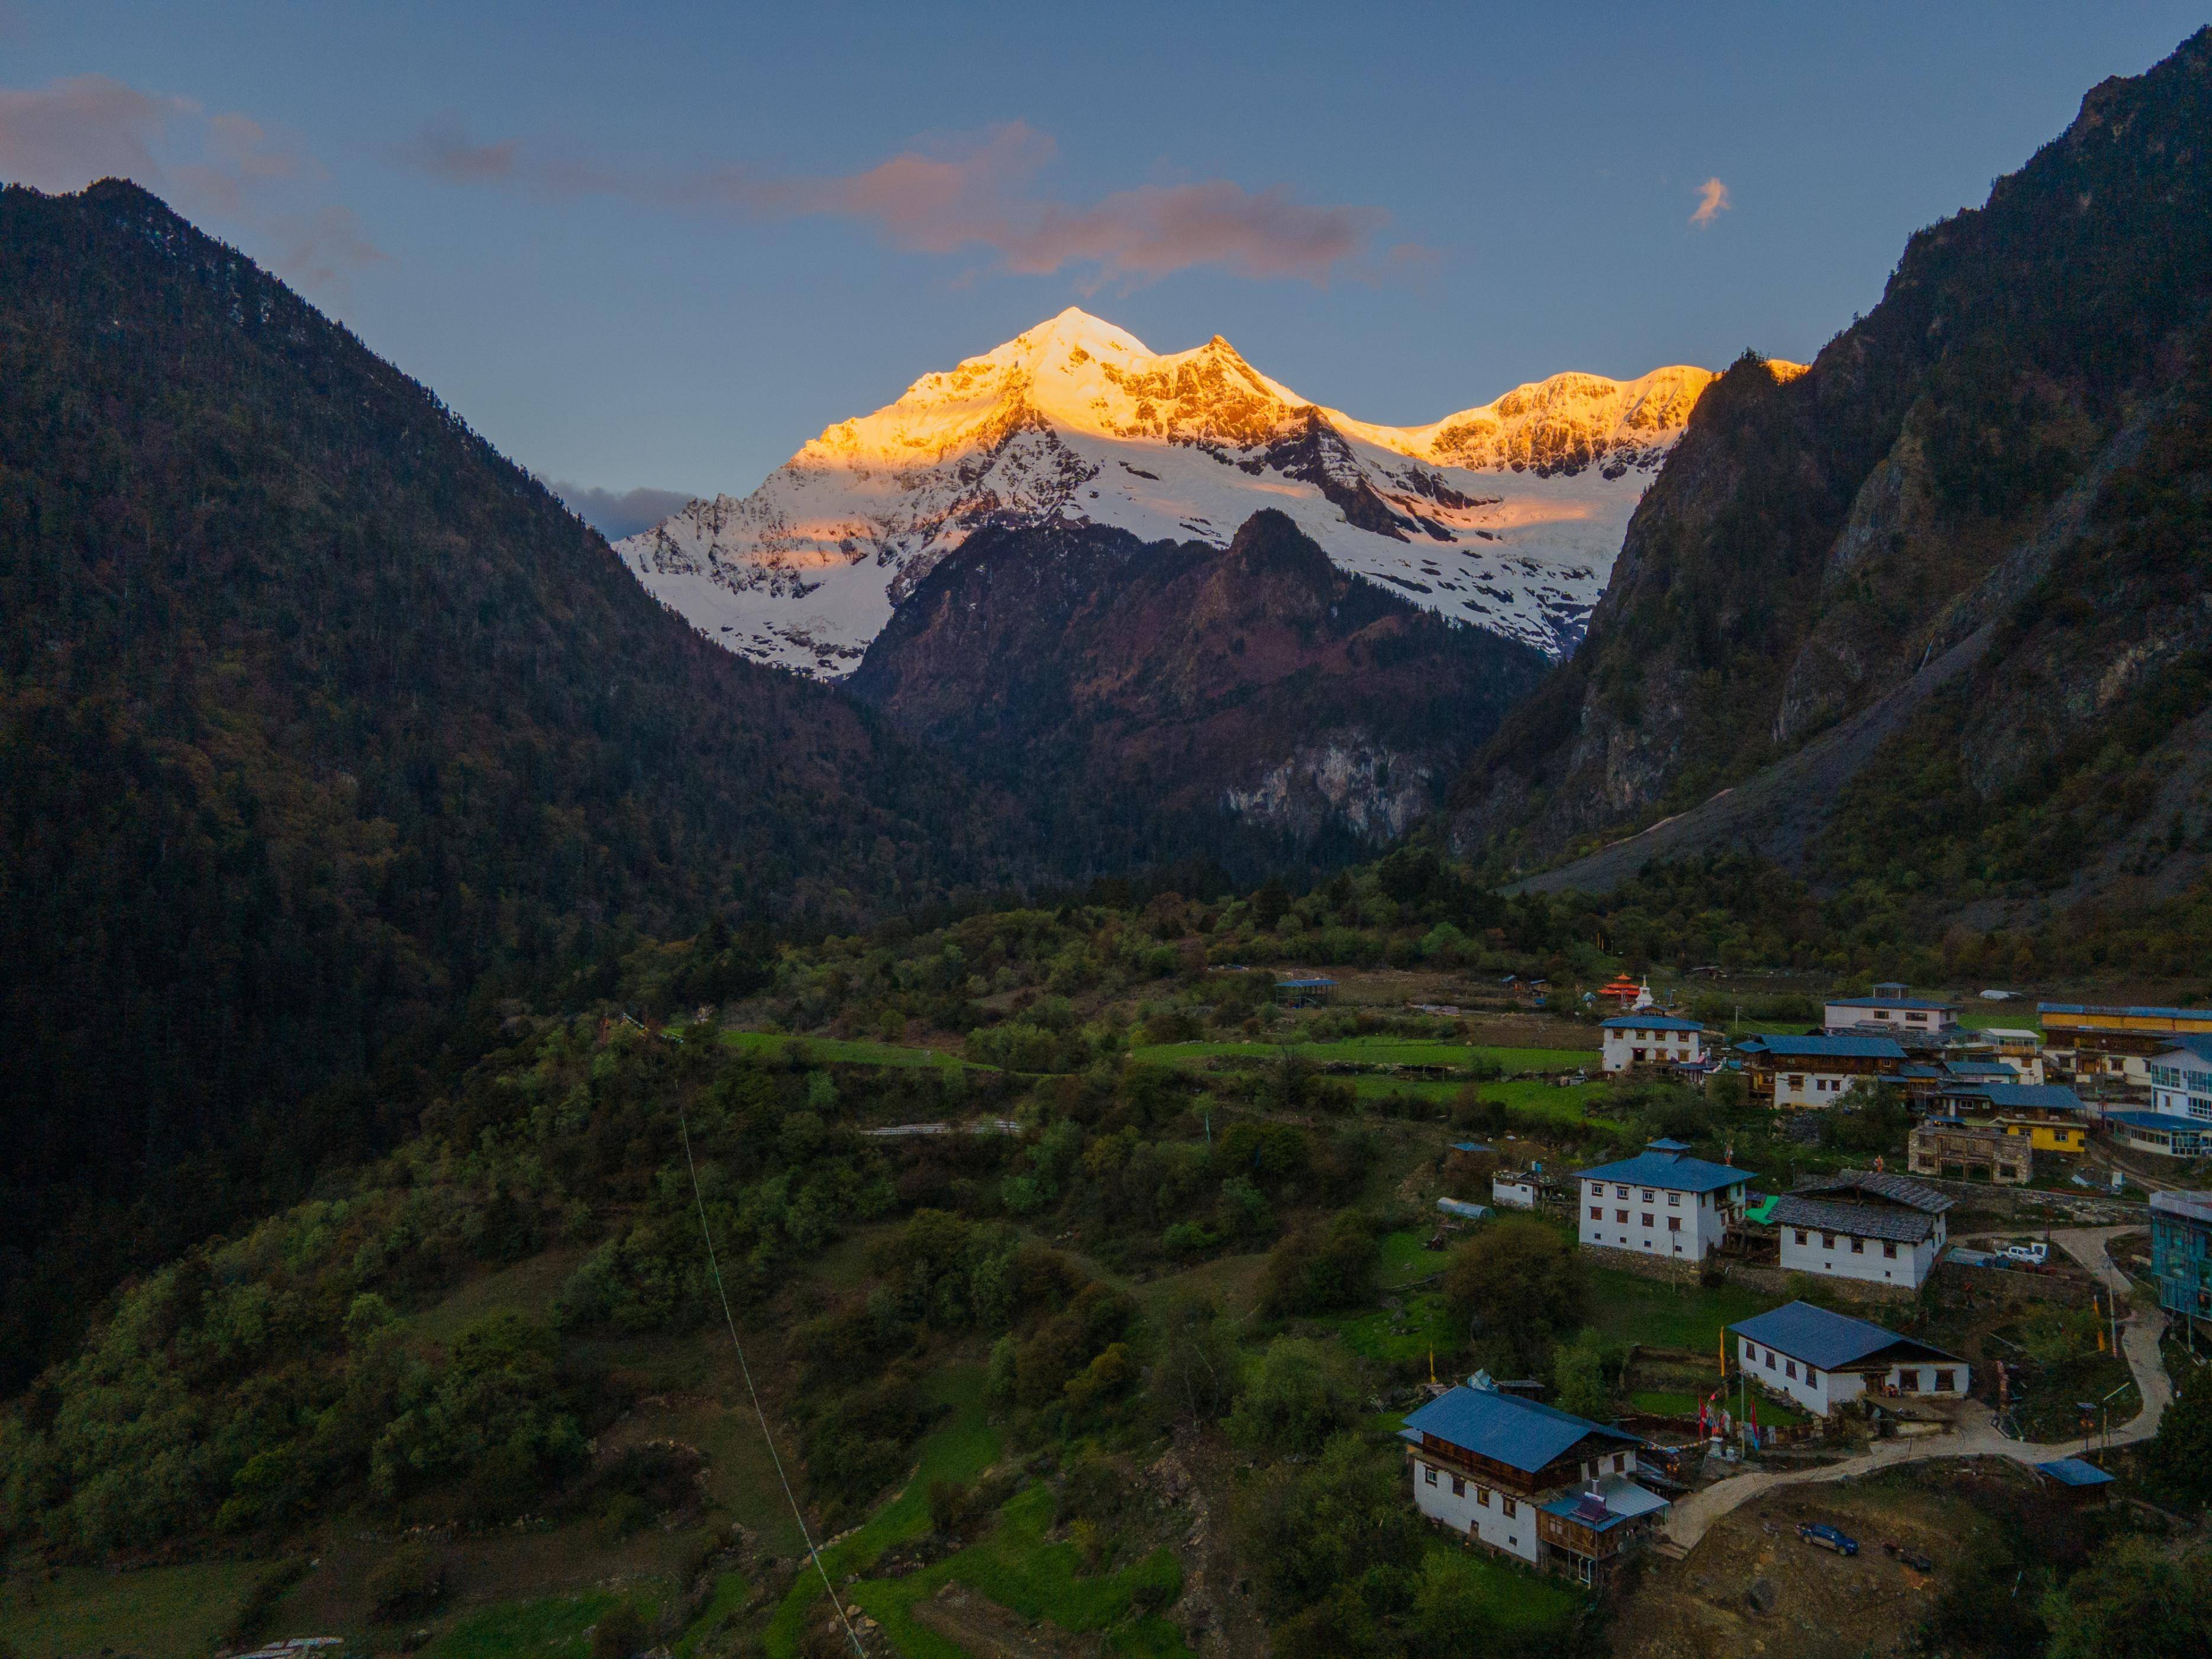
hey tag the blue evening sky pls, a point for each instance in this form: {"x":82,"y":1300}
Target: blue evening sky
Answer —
{"x":659,"y":245}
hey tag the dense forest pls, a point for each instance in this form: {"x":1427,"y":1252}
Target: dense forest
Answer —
{"x":320,"y":723}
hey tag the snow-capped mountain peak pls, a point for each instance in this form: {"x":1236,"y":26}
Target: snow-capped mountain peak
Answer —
{"x":1506,"y":516}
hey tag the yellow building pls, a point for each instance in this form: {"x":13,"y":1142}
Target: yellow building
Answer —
{"x":2045,"y":1135}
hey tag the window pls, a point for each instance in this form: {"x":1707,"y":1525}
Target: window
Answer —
{"x":1647,"y":1217}
{"x":1621,"y":1216}
{"x":1597,"y":1213}
{"x":1482,"y":1496}
{"x":1946,"y":1381}
{"x":1790,"y":1369}
{"x":1511,"y":1509}
{"x":1800,"y":1231}
{"x":1459,"y":1487}
{"x":1647,"y":1195}
{"x":1827,"y":1240}
{"x":1770,"y":1359}
{"x":1673,"y":1224}
{"x":1858,"y":1246}
{"x":1908,"y":1382}
{"x":1621,"y":1192}
{"x":1889,"y":1249}
{"x":1428,"y":1475}
{"x":1674,"y":1201}
{"x":1812,"y":1377}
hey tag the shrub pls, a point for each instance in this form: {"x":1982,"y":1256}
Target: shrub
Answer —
{"x":619,"y":1633}
{"x":408,"y":1583}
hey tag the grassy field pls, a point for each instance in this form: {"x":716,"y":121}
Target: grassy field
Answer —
{"x":1372,"y":1051}
{"x":961,"y":1449}
{"x":1406,"y":1259}
{"x":848,"y":1051}
{"x":553,"y":1628}
{"x":1625,"y":1307}
{"x":1533,"y":1096}
{"x":528,"y":1287}
{"x":1016,"y":1567}
{"x":1426,"y":1327}
{"x":1519,"y":1601}
{"x":157,"y":1612}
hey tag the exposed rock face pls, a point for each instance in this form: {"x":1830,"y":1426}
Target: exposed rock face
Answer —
{"x":1507,"y":516}
{"x":1174,"y":697}
{"x":1955,"y":472}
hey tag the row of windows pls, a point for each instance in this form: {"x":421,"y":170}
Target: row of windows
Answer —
{"x":2181,"y":1076}
{"x":1620,"y":1217}
{"x":1481,"y":1492}
{"x":1858,"y":1245}
{"x":1674,"y":1199}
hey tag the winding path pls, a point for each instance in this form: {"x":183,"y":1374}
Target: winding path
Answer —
{"x":1689,"y":1520}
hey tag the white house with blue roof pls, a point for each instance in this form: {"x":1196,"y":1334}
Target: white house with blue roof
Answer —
{"x":1528,"y":1480}
{"x":1651,"y":1039}
{"x":1822,"y":1360}
{"x":1798,"y":1072}
{"x":1891,"y":1008}
{"x":1661,"y":1202}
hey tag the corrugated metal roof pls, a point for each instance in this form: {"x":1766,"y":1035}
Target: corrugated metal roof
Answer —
{"x":1521,"y":1434}
{"x":2195,"y":1206}
{"x":2196,"y":1043}
{"x":1827,"y":1341}
{"x":1864,"y":1220}
{"x":1833,"y":1047}
{"x":1915,"y":1003}
{"x":2045,"y":1096}
{"x":2171,"y":1122}
{"x":1899,"y":1189}
{"x":1670,"y":1170}
{"x":2073,"y":1472}
{"x":1618,"y":1500}
{"x":1647,"y":1023}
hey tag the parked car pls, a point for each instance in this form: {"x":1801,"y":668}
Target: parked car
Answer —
{"x":1824,"y":1536}
{"x":2033,"y":1254}
{"x":1911,"y":1558}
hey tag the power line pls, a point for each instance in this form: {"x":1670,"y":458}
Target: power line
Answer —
{"x":714,"y":1266}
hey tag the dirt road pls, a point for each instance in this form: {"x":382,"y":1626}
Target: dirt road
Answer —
{"x":1688,"y":1521}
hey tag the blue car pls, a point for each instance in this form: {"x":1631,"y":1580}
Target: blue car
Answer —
{"x":1827,"y":1537}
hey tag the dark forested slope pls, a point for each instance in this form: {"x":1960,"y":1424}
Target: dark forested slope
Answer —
{"x":314,"y":712}
{"x":1155,"y":700}
{"x":1983,"y":497}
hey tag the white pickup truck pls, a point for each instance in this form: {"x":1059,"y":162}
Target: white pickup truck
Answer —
{"x":2034,"y":1255}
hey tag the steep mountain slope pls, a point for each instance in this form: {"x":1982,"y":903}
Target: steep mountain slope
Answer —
{"x":1162,"y":699}
{"x":1929,"y":529}
{"x":316,"y":715}
{"x":1508,"y":515}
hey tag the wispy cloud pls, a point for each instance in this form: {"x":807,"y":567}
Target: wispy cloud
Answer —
{"x":1712,"y":202}
{"x":967,"y":190}
{"x":616,"y":513}
{"x":225,"y":166}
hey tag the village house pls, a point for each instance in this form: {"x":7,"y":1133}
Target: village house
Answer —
{"x":2022,"y":1050}
{"x":1953,"y":1149}
{"x":2049,"y":1117}
{"x":2181,"y":1253}
{"x":1661,"y":1202}
{"x":1528,"y":1480}
{"x":1801,"y":1071}
{"x":2162,"y":1134}
{"x":2114,"y":1046}
{"x":1514,"y":1189}
{"x":1651,"y":1039}
{"x":1890,"y":1010}
{"x":1862,"y":1224}
{"x":2181,"y":1079}
{"x":1822,"y":1360}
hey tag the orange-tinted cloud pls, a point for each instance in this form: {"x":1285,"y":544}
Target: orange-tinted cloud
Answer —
{"x":971,"y":191}
{"x":1712,"y":202}
{"x":67,"y":133}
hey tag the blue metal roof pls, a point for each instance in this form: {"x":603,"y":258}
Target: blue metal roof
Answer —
{"x":1822,"y":1340}
{"x":1304,"y":984}
{"x":1670,"y":1170}
{"x":1917,"y":1003}
{"x":2199,"y":1043}
{"x":2171,"y":1120}
{"x":2132,"y":1013}
{"x":1989,"y":1068}
{"x":2073,"y":1472}
{"x":2014,"y":1096}
{"x":1839,"y":1047}
{"x":1521,"y":1434}
{"x":1650,"y":1023}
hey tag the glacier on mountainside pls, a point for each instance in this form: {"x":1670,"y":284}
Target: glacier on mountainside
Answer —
{"x":1506,"y":517}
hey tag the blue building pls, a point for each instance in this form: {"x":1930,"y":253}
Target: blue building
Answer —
{"x":2181,"y":1253}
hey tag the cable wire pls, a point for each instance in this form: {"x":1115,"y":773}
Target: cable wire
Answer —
{"x":714,"y":1266}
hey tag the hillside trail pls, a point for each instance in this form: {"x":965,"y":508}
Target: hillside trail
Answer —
{"x":1688,"y":1521}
